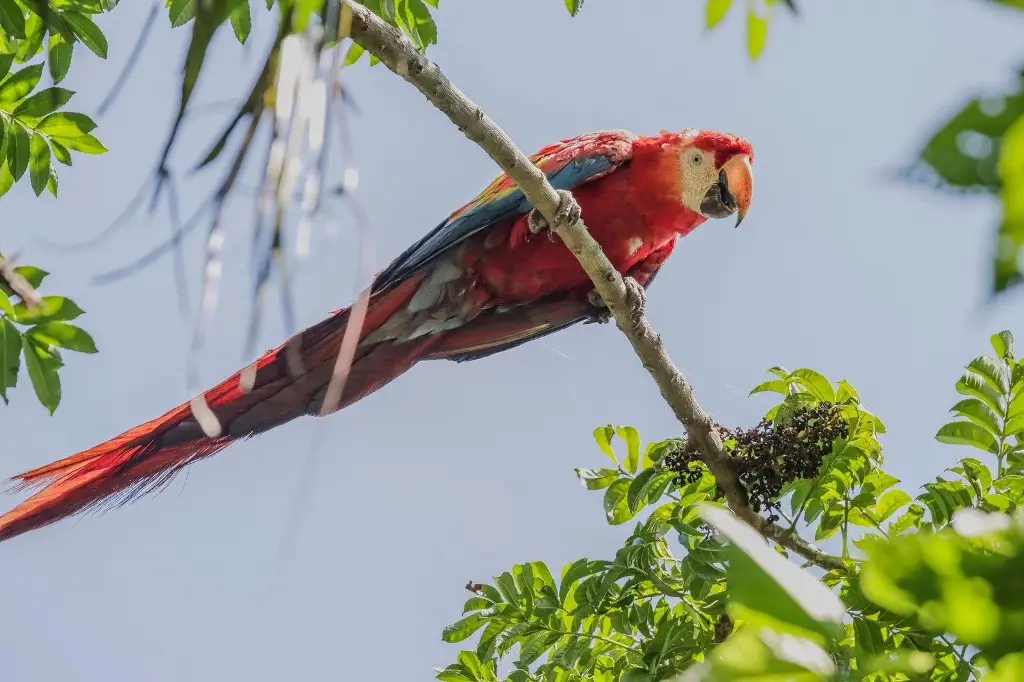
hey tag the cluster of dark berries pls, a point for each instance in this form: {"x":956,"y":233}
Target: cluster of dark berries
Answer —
{"x":771,"y":454}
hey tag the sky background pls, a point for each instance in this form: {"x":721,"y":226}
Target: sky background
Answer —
{"x":455,"y":472}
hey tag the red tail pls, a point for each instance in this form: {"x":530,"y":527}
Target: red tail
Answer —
{"x":148,"y":456}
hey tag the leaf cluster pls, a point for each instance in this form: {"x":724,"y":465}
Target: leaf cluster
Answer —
{"x":929,"y":589}
{"x":32,"y":336}
{"x":34,"y":130}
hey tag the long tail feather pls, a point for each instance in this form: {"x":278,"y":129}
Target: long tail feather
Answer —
{"x":147,"y":457}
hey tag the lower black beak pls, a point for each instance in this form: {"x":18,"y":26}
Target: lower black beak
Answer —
{"x":719,"y":201}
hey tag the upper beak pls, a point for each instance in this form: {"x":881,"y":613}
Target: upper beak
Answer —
{"x":733,"y":191}
{"x":740,"y":177}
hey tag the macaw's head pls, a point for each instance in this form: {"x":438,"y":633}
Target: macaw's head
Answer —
{"x":717,"y":180}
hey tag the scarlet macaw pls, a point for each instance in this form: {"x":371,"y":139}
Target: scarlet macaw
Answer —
{"x":481,"y":282}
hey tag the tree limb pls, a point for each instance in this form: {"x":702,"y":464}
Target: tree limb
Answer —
{"x":396,"y":52}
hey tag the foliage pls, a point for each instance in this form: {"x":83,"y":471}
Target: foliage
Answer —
{"x":981,"y":149}
{"x":36,"y":333}
{"x":34,"y":129}
{"x":929,"y":588}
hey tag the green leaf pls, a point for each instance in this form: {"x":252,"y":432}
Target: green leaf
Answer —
{"x":716,"y":12}
{"x":763,"y":582}
{"x":66,"y":336}
{"x":616,"y":505}
{"x":241,"y":21}
{"x":65,"y":125}
{"x":1002,"y":344}
{"x":463,"y":629}
{"x":58,"y":58}
{"x":891,"y":502}
{"x":10,"y":356}
{"x":44,"y":102}
{"x":35,"y":32}
{"x":574,"y":7}
{"x":181,"y":12}
{"x":967,"y":433}
{"x":1009,"y":240}
{"x":16,"y":86}
{"x":12,"y":20}
{"x":60,"y":152}
{"x":757,"y":34}
{"x":774,"y":386}
{"x":979,"y":413}
{"x":87,"y":144}
{"x":54,"y":308}
{"x":603,"y":437}
{"x":18,"y":142}
{"x":991,"y":371}
{"x":51,"y":183}
{"x":6,"y":60}
{"x":42,"y":368}
{"x":971,"y":384}
{"x":6,"y":178}
{"x":355,"y":51}
{"x":88,"y":32}
{"x":817,"y":385}
{"x":39,"y":163}
{"x":597,"y":479}
{"x":632,"y":438}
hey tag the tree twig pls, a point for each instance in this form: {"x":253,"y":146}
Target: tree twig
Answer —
{"x":397,"y":53}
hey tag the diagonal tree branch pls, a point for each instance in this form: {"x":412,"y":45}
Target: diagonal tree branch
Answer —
{"x":397,"y":53}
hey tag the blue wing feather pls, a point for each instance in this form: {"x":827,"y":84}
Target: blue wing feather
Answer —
{"x":452,"y":232}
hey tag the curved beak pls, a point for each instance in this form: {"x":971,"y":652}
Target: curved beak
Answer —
{"x":733,"y":191}
{"x":740,"y":179}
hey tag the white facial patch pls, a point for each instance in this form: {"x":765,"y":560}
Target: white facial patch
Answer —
{"x":634,"y":243}
{"x":699,"y":173}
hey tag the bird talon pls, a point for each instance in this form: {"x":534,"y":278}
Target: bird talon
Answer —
{"x":567,"y":213}
{"x":637,"y":298}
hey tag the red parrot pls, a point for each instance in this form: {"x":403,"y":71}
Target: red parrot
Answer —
{"x":483,"y":281}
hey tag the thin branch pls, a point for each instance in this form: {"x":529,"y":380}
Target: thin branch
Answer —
{"x":396,"y":51}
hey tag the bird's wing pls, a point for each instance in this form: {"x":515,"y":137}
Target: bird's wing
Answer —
{"x":567,"y":164}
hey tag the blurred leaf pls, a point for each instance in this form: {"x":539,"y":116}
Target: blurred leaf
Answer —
{"x":716,"y":12}
{"x":757,"y":33}
{"x":181,"y":12}
{"x":762,"y":581}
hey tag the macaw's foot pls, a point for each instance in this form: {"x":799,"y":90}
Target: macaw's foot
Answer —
{"x":635,"y":295}
{"x":567,"y":214}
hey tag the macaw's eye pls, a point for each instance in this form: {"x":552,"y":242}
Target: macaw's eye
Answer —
{"x":696,"y":159}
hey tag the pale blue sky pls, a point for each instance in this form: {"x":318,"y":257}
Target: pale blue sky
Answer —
{"x":455,"y":472}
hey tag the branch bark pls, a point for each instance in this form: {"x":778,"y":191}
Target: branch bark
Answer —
{"x":396,"y":52}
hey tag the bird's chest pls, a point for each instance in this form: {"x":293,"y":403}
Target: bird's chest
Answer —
{"x":515,"y":265}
